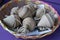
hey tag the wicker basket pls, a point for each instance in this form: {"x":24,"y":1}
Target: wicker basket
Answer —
{"x":6,"y":8}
